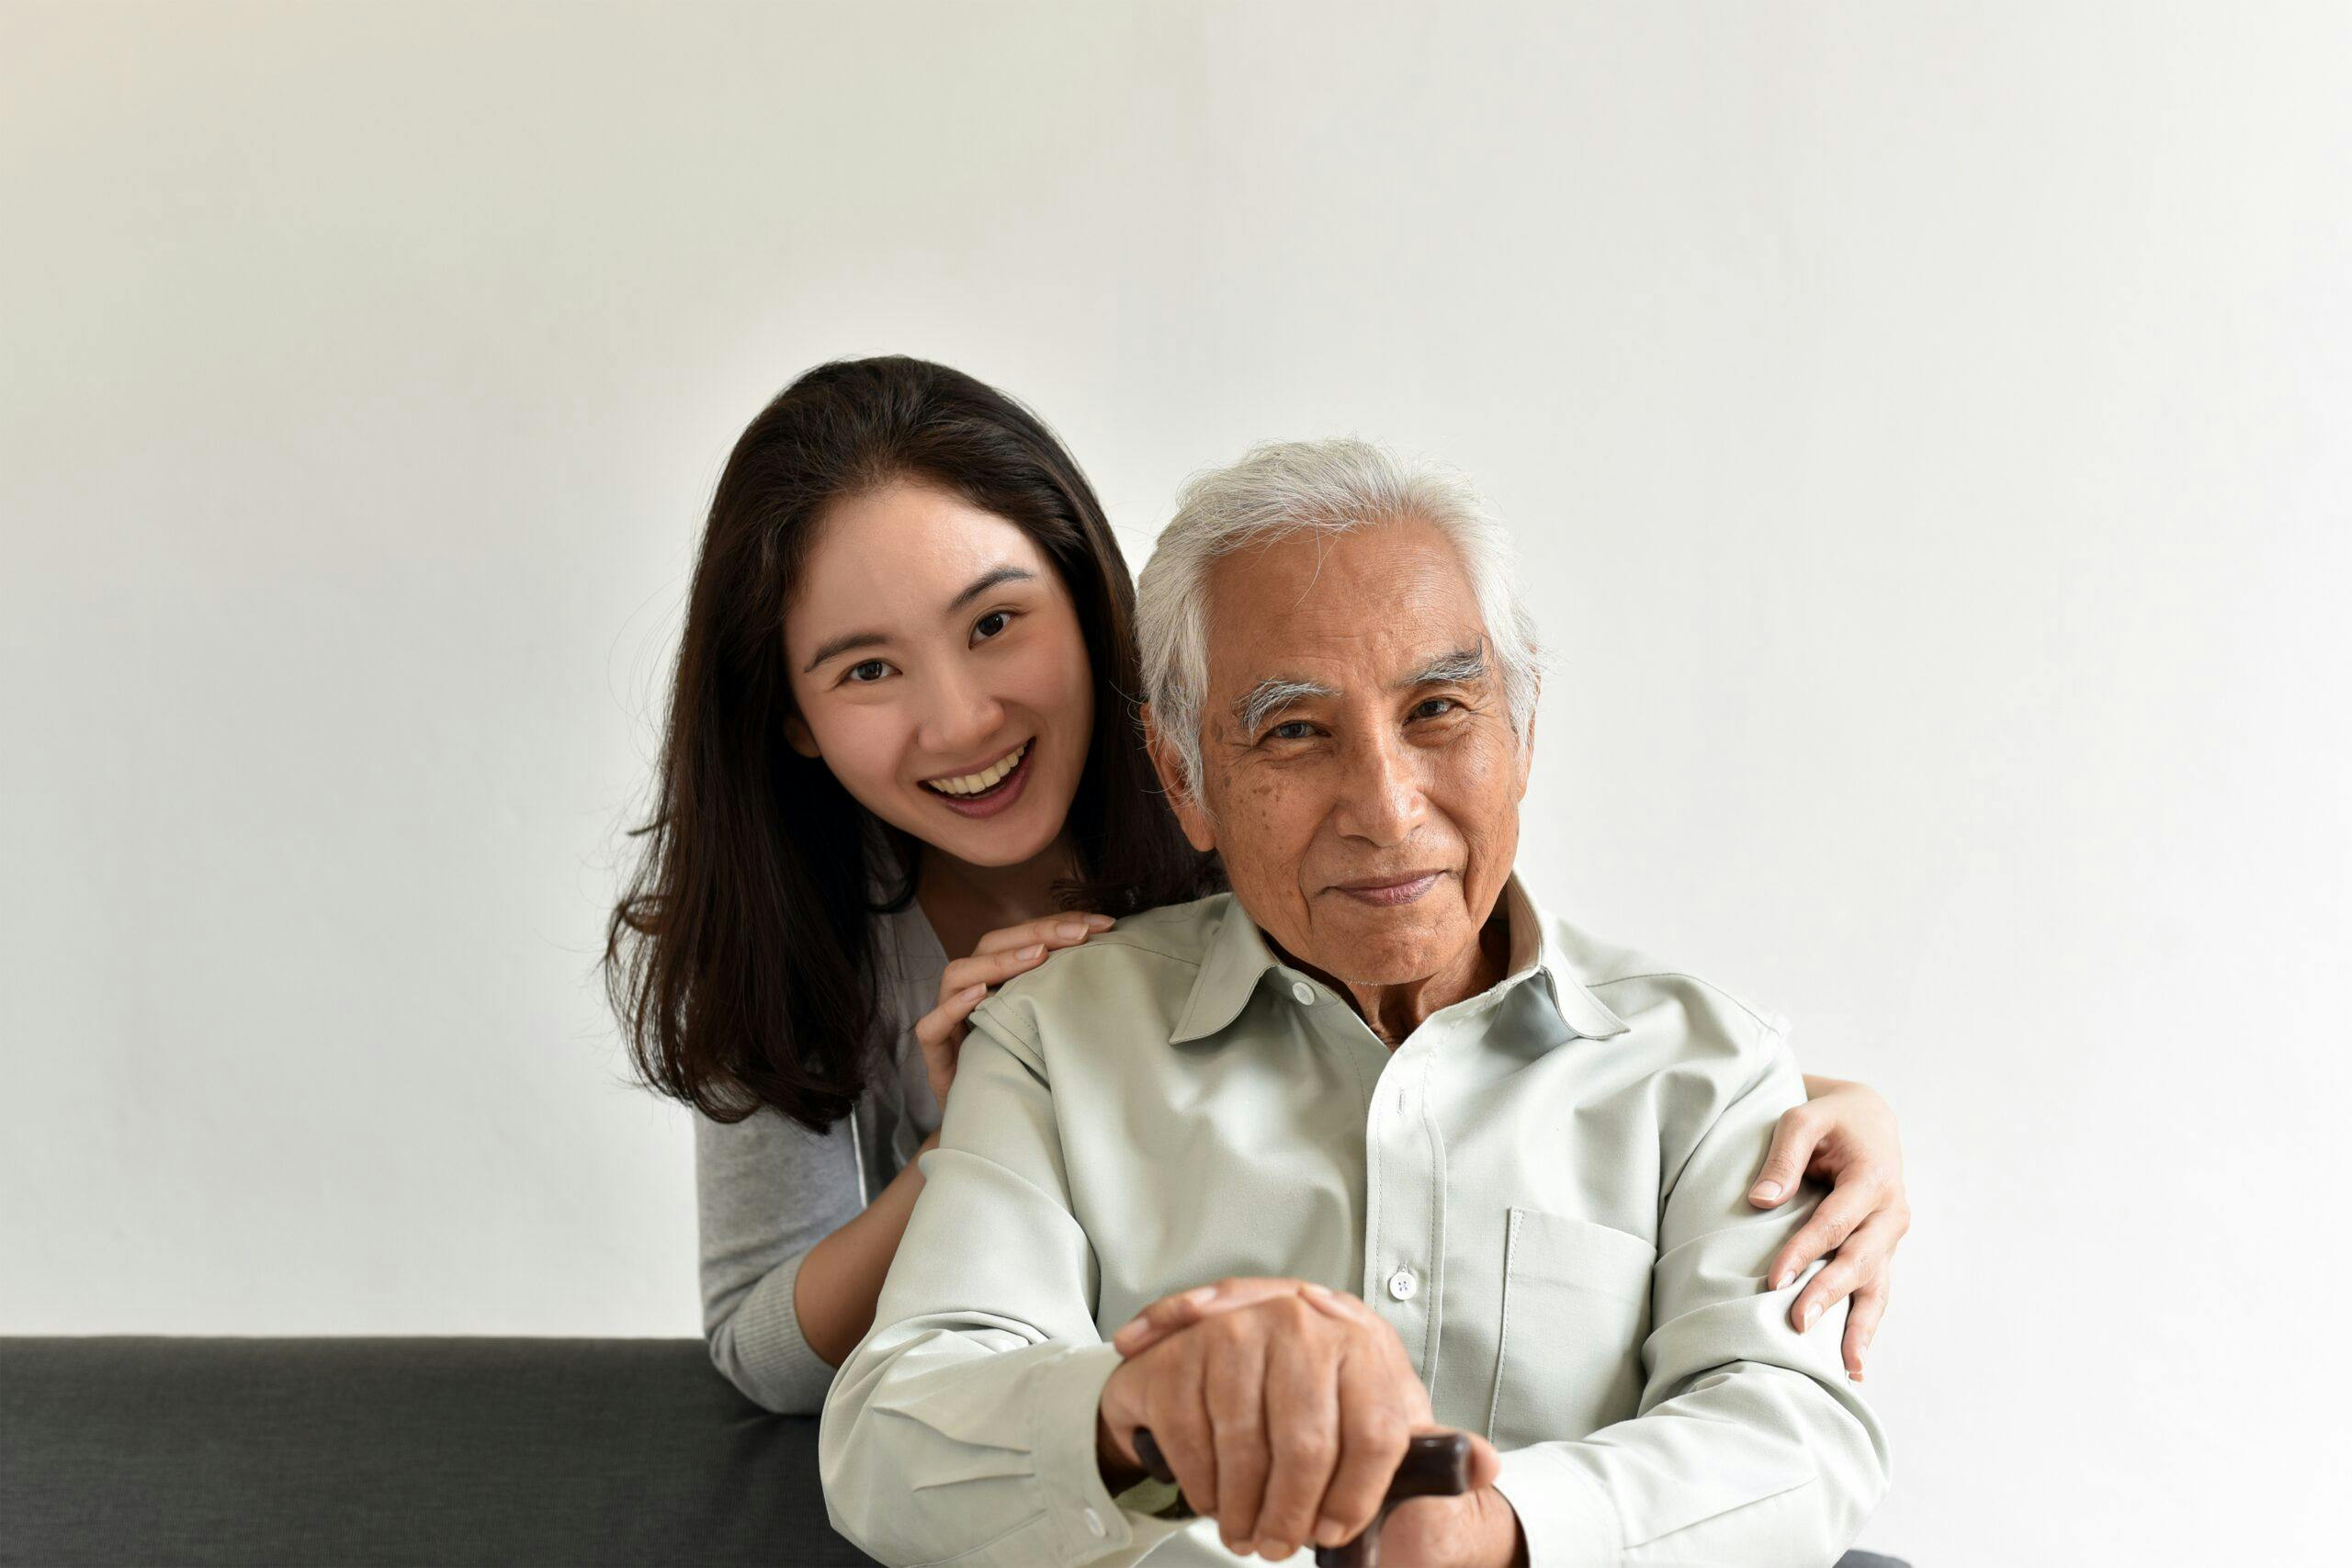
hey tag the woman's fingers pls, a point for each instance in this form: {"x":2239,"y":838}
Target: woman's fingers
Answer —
{"x":1862,"y":1320}
{"x":943,"y":1024}
{"x":1001,"y":955}
{"x":1849,"y":1205}
{"x":1860,"y":1261}
{"x":1053,"y":930}
{"x":990,"y":969}
{"x":1794,"y":1136}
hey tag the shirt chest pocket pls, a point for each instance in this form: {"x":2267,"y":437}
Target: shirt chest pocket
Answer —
{"x":1575,"y":1310}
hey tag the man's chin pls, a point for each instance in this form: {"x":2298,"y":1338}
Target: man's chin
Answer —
{"x":1394,"y":947}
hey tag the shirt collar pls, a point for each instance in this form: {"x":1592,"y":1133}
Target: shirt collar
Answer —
{"x":1238,"y":956}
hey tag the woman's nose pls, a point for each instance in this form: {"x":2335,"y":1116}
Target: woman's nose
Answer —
{"x":959,"y":715}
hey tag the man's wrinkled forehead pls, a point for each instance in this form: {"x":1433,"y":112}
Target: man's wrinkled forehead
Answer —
{"x":1328,"y":622}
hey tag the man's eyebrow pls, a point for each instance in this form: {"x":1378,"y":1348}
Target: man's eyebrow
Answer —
{"x":1273,"y":694}
{"x":1460,"y":668}
{"x":847,"y":641}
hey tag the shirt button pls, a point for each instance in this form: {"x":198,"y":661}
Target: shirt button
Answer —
{"x":1303,"y":992}
{"x":1401,"y":1284}
{"x":1094,"y":1522}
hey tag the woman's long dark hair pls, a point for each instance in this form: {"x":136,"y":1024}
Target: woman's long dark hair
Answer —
{"x":741,"y":958}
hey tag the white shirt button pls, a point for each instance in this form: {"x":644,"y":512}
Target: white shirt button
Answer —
{"x":1095,"y":1523}
{"x":1303,"y":992}
{"x":1402,"y":1284}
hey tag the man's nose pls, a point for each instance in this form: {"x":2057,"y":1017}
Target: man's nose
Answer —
{"x":1381,"y":798}
{"x":960,"y":713}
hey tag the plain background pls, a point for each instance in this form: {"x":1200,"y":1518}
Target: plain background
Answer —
{"x":1925,"y":426}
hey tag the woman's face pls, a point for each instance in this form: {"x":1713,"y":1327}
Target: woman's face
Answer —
{"x":939,"y":670}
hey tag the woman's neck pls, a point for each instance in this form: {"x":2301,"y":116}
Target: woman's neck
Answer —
{"x":964,"y":902}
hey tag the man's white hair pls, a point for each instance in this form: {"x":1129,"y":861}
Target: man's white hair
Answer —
{"x":1322,"y":487}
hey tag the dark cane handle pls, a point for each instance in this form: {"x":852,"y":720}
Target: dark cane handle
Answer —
{"x":1436,"y":1464}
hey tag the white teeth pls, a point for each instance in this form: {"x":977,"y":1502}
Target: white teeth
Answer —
{"x":986,"y":779}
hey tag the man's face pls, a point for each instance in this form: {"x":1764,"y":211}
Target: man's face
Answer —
{"x":1366,"y":806}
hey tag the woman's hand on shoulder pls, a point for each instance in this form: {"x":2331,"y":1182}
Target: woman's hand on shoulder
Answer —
{"x":1000,"y":956}
{"x":1844,"y":1135}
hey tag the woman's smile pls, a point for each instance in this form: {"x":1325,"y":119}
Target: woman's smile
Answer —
{"x":987,"y":791}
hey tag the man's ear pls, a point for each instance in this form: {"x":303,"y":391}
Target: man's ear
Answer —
{"x":796,"y":735}
{"x":1189,"y":815}
{"x":1527,"y":748}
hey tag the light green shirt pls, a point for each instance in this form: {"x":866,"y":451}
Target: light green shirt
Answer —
{"x":1543,"y":1189}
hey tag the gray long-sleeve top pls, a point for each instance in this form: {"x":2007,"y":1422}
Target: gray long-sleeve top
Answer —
{"x":767,"y":1188}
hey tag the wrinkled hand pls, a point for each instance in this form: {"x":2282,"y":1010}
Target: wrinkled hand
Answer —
{"x":1846,"y":1137}
{"x":1168,"y":1314}
{"x":1477,"y":1529}
{"x":1283,"y":1416}
{"x":1001,"y":955}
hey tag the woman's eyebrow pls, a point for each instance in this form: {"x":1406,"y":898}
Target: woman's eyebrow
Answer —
{"x":988,"y":579}
{"x":844,"y":644}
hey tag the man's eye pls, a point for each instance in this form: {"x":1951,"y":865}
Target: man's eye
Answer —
{"x":866,"y":674}
{"x":1434,"y":708}
{"x":990,"y":624}
{"x":1295,"y":730}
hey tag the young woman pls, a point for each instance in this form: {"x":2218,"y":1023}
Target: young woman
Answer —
{"x":900,"y":767}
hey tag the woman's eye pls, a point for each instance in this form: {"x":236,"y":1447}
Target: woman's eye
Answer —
{"x":866,"y":674}
{"x":990,"y":624}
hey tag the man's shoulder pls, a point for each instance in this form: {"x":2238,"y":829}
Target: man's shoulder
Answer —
{"x":1679,"y":1007}
{"x":1134,"y":976}
{"x":1694,"y":1046}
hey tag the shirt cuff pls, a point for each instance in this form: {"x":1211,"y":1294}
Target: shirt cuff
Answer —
{"x":1568,"y":1520}
{"x":1086,"y":1522}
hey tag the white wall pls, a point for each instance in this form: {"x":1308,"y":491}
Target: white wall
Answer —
{"x":1926,"y":425}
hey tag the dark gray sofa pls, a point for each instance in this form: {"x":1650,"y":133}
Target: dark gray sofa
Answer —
{"x":451,"y":1450}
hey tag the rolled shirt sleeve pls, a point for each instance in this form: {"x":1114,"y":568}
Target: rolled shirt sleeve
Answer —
{"x":1750,"y":1448}
{"x":964,"y":1426}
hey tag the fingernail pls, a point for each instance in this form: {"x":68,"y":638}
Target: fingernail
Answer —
{"x":1780,"y":1280}
{"x":1032,"y":950}
{"x":1329,"y":1532}
{"x":1101,"y":922}
{"x":1317,"y":1292}
{"x":976,"y":990}
{"x":1070,"y":931}
{"x":1198,"y":1294}
{"x":1275,"y":1550}
{"x":1766,"y":1192}
{"x":1811,"y":1313}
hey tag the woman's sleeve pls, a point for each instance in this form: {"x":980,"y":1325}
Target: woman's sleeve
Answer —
{"x":768,"y":1189}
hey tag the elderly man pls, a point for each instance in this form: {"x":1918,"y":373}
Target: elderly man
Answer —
{"x":1457,"y":1163}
